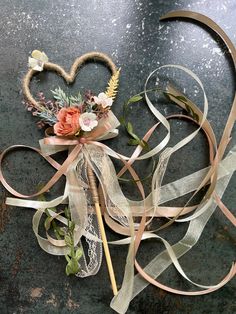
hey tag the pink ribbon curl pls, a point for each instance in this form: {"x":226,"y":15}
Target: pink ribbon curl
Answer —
{"x":77,"y":145}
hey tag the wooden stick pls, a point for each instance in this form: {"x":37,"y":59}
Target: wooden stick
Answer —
{"x":95,"y":197}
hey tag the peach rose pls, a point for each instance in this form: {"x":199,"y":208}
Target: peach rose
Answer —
{"x":68,"y":121}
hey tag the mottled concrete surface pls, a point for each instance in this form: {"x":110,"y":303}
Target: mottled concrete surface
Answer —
{"x":130,"y":32}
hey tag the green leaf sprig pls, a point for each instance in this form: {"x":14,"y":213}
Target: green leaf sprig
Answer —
{"x":184,"y":100}
{"x":75,"y":253}
{"x":65,"y":101}
{"x":134,"y":138}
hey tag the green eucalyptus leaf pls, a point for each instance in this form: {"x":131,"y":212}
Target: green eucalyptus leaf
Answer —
{"x":129,"y":128}
{"x":188,"y":109}
{"x":57,"y":234}
{"x":53,"y":209}
{"x":47,"y":223}
{"x":47,"y":212}
{"x":68,"y":240}
{"x":71,"y":225}
{"x":75,"y":99}
{"x":133,"y":142}
{"x":181,"y":98}
{"x":135,"y":98}
{"x":68,"y":270}
{"x":61,"y":231}
{"x":60,"y":96}
{"x":67,"y":212}
{"x":67,"y":256}
{"x":72,"y":267}
{"x":135,"y":137}
{"x":144,"y":144}
{"x":78,"y":253}
{"x":56,"y":230}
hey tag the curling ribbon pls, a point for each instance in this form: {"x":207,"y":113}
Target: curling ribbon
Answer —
{"x":163,"y":260}
{"x":81,"y":153}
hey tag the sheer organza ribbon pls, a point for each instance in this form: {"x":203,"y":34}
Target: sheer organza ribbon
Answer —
{"x":216,"y":189}
{"x":81,"y":153}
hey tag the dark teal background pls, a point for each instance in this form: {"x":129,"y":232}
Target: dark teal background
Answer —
{"x":32,"y":281}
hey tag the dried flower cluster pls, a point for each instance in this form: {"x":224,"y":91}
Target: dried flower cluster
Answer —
{"x":70,"y":115}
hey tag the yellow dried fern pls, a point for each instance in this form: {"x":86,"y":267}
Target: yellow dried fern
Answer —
{"x":113,"y":85}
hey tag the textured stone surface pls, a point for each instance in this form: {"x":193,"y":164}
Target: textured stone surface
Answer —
{"x":130,"y":32}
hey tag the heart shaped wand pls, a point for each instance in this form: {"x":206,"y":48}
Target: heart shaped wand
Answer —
{"x":77,"y":123}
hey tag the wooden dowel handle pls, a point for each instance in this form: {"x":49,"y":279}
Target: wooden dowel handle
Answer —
{"x":93,"y":185}
{"x":94,"y":191}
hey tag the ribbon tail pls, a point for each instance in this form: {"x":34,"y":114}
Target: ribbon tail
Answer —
{"x":79,"y":200}
{"x":118,"y":208}
{"x":162,"y":261}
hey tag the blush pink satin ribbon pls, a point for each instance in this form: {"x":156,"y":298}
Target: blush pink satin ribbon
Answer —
{"x":61,"y":170}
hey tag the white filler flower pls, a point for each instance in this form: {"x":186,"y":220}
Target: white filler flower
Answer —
{"x":103,"y":100}
{"x":88,"y":121}
{"x":37,"y":61}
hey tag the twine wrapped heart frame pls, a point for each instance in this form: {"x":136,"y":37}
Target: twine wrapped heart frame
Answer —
{"x":88,"y":157}
{"x":68,"y":77}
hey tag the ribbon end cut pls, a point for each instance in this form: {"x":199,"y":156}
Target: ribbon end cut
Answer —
{"x":119,"y":304}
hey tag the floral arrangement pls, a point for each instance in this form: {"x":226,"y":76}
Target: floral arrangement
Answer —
{"x":71,"y":115}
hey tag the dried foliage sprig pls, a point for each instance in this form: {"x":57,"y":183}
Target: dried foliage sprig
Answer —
{"x":75,"y":252}
{"x":113,"y":85}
